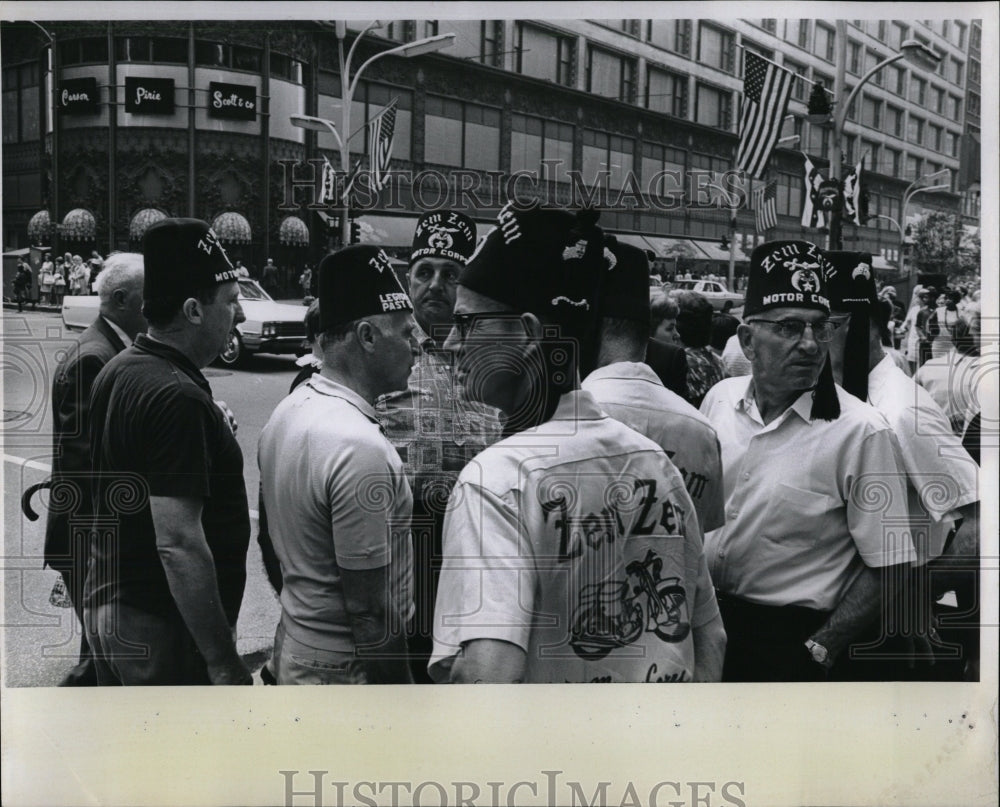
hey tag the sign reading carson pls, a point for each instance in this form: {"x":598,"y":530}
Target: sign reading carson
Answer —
{"x":78,"y":96}
{"x":232,"y":101}
{"x":149,"y":96}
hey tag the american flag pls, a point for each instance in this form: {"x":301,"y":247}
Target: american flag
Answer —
{"x":329,"y":182}
{"x":766,"y":90}
{"x":380,"y":131}
{"x":764,"y":206}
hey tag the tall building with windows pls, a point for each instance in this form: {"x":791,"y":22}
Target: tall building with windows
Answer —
{"x":648,"y":110}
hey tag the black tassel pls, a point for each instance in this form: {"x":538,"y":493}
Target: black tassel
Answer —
{"x":856,"y":356}
{"x":826,"y":405}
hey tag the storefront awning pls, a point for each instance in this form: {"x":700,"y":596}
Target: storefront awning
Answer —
{"x":40,"y":227}
{"x":79,"y":225}
{"x":232,"y":228}
{"x":293,"y":232}
{"x":142,"y":220}
{"x":635,"y":240}
{"x":672,"y":248}
{"x":714,"y":251}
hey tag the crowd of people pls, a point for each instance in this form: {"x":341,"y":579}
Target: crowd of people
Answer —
{"x":526,"y":466}
{"x":68,"y":274}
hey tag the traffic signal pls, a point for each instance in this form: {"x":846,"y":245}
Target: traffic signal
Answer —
{"x":355,"y":231}
{"x":819,"y":109}
{"x":724,"y":242}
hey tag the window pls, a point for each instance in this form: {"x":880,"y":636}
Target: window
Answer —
{"x":852,"y":110}
{"x":914,"y":167}
{"x":84,"y":51}
{"x":611,"y":75}
{"x":894,"y":162}
{"x":950,"y":142}
{"x":897,"y":80}
{"x":825,"y":45}
{"x":918,"y":90}
{"x":542,"y":54}
{"x":20,"y":103}
{"x":957,"y":70}
{"x":800,"y":87}
{"x":535,"y":139}
{"x":164,"y":50}
{"x":854,"y":58}
{"x":939,"y":100}
{"x":474,"y":39}
{"x":716,"y":48}
{"x":714,"y":107}
{"x":973,"y":104}
{"x":672,"y":35}
{"x":667,"y":92}
{"x":897,"y":34}
{"x":606,"y":152}
{"x":883,"y":30}
{"x":369,"y":99}
{"x":871,"y":113}
{"x":895,"y":120}
{"x":788,"y":196}
{"x":819,"y":140}
{"x":915,"y":130}
{"x":935,"y":137}
{"x":848,"y":152}
{"x":975,"y":69}
{"x":462,"y":134}
{"x":872,"y":59}
{"x":769,"y":25}
{"x":430,"y":28}
{"x":955,"y":107}
{"x":803,"y":34}
{"x":975,"y":38}
{"x":960,"y":35}
{"x":630,"y":27}
{"x":235,"y":57}
{"x":870,"y":154}
{"x":286,"y":67}
{"x":656,"y":160}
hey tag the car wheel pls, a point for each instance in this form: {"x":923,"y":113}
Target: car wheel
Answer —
{"x":233,"y":354}
{"x":727,"y":307}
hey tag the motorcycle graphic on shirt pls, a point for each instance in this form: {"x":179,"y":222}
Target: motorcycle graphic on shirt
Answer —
{"x":615,"y":613}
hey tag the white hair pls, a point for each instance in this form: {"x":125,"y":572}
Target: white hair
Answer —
{"x":121,"y":270}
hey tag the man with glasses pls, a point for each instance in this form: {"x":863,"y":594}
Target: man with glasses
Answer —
{"x":435,"y":430}
{"x":572,"y":552}
{"x":809,"y":473}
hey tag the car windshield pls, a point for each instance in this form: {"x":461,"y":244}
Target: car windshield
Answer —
{"x":250,"y":290}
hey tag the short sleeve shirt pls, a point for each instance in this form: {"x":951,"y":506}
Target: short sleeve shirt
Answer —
{"x":633,"y":394}
{"x":809,"y":502}
{"x":156,"y":431}
{"x":336,"y":498}
{"x":577,"y":542}
{"x":942,"y":476}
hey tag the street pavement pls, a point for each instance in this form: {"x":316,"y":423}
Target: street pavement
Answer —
{"x":39,"y":641}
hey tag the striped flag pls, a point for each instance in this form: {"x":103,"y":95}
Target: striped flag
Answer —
{"x":852,"y":193}
{"x":766,"y":90}
{"x":380,"y":132}
{"x":765,"y":209}
{"x":812,"y":214}
{"x":328,"y":194}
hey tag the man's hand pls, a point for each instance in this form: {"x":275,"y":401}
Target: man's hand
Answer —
{"x":230,"y":417}
{"x":233,"y":672}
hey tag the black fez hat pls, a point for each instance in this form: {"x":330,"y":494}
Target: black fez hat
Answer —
{"x":787,"y":273}
{"x":444,"y":234}
{"x":851,"y":287}
{"x":625,"y":289}
{"x":355,"y":282}
{"x":181,"y":258}
{"x":547,"y":262}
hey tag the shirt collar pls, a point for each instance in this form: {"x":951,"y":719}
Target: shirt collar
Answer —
{"x":324,"y":386}
{"x":879,"y":374}
{"x":626,"y":370}
{"x":126,"y":339}
{"x":147,"y":344}
{"x":802,"y":406}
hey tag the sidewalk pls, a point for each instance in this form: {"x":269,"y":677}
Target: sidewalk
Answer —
{"x":47,"y":307}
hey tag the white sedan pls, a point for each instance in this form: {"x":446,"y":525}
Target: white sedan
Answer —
{"x":715,"y":291}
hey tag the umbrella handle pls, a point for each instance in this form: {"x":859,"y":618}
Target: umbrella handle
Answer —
{"x":26,"y":508}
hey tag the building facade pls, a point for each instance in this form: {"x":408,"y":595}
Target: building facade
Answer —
{"x":109,"y":125}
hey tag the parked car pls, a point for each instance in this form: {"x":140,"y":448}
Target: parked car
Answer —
{"x":714,"y":290}
{"x":270,"y":327}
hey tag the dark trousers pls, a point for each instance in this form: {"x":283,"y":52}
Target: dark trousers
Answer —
{"x":428,"y":534}
{"x":84,"y":674}
{"x":767,"y":643}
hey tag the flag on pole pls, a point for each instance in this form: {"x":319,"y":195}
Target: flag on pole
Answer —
{"x":812,"y":213}
{"x":380,"y":132}
{"x":852,"y":192}
{"x":328,"y":194}
{"x":765,"y":206}
{"x":766,"y":90}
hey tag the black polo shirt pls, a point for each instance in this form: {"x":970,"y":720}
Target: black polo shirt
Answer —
{"x":156,"y":431}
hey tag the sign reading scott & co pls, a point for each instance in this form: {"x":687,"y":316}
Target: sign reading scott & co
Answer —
{"x":149,"y":96}
{"x":232,"y":101}
{"x":78,"y":96}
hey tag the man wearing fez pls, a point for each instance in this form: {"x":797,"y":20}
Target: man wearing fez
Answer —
{"x":337,"y":498}
{"x":166,"y":577}
{"x":943,"y":479}
{"x":628,"y":389}
{"x":807,"y":467}
{"x":571,"y":549}
{"x":435,"y":430}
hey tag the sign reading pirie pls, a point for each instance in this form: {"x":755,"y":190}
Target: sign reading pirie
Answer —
{"x":232,"y":101}
{"x":149,"y":96}
{"x":78,"y":96}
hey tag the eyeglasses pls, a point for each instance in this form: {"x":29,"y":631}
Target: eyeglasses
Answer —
{"x":822,"y":331}
{"x":466,"y":322}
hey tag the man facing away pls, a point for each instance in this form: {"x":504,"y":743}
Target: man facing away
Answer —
{"x":571,"y":549}
{"x":337,"y":499}
{"x":172,"y":526}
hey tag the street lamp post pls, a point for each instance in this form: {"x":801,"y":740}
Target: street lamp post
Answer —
{"x":914,"y":52}
{"x":348,"y":84}
{"x":922,"y":184}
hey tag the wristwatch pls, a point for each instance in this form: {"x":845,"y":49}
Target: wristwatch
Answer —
{"x":819,"y":653}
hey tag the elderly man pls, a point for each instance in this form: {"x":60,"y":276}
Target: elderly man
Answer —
{"x":571,"y":552}
{"x":799,"y":563}
{"x":943,"y":490}
{"x":118,"y":322}
{"x":628,"y":389}
{"x":435,"y":430}
{"x":337,"y":499}
{"x":168,"y":566}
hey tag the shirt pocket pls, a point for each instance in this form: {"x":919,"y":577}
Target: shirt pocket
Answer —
{"x":800,"y":517}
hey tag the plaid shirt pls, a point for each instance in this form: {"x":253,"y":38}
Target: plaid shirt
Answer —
{"x":435,"y":432}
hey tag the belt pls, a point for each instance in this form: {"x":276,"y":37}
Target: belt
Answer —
{"x":745,"y":616}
